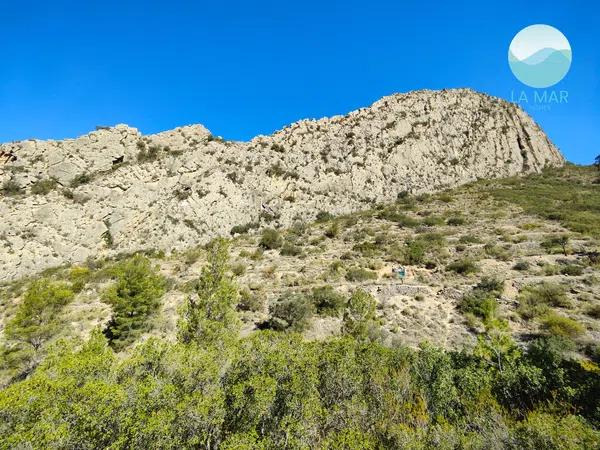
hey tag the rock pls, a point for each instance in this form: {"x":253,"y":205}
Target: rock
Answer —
{"x":181,"y":188}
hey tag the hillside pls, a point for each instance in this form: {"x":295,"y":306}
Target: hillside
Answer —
{"x":115,"y":190}
{"x":178,"y":291}
{"x":303,"y":337}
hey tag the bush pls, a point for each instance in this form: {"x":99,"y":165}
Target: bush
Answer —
{"x":327,"y":300}
{"x":292,"y":311}
{"x":333,"y":230}
{"x":324,"y":216}
{"x":134,"y":297}
{"x":10,"y":188}
{"x":456,"y":221}
{"x":238,"y":269}
{"x":359,"y":274}
{"x":241,"y":229}
{"x":81,"y":179}
{"x":463,"y":266}
{"x":43,"y":187}
{"x":270,"y":239}
{"x":571,"y":270}
{"x":558,"y":325}
{"x":289,"y":249}
{"x":521,"y":265}
{"x":36,"y":322}
{"x":359,"y":316}
{"x":534,"y":300}
{"x":250,"y":301}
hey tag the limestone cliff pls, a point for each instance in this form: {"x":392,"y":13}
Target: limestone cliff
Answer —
{"x":115,"y":190}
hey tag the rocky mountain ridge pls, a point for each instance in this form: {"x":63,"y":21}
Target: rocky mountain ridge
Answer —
{"x":114,"y":190}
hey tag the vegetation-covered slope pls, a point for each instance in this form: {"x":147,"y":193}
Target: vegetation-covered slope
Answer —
{"x":303,"y":337}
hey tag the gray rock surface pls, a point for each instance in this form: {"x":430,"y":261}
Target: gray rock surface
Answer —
{"x":179,"y":188}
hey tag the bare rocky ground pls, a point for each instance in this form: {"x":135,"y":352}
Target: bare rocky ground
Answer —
{"x":502,"y":239}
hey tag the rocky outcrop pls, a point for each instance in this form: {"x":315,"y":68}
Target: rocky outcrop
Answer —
{"x":115,"y":190}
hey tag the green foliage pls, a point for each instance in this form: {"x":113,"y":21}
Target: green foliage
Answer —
{"x":569,"y":194}
{"x":456,"y":221}
{"x":43,"y":187}
{"x":135,"y":297}
{"x":36,"y":322}
{"x":289,"y":249}
{"x":482,"y":300}
{"x":358,"y":274}
{"x":327,"y":300}
{"x":359,"y":316}
{"x":11,"y":188}
{"x":324,"y":216}
{"x":250,"y":301}
{"x":558,"y":325}
{"x":279,"y":391}
{"x":208,"y":317}
{"x":463,"y":266}
{"x":241,"y":229}
{"x":78,"y":180}
{"x":534,"y":300}
{"x":270,"y":239}
{"x":292,"y":311}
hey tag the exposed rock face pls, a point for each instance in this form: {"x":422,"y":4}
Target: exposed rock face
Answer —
{"x":182,"y":187}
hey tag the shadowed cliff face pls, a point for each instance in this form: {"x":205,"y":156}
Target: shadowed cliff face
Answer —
{"x":115,"y":190}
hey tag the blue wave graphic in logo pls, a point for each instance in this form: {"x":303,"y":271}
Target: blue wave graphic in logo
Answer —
{"x":545,"y":64}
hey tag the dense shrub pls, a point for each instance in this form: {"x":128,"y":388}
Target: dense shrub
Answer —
{"x":535,"y":299}
{"x":359,"y":274}
{"x":36,"y":322}
{"x":463,"y":266}
{"x":10,"y":188}
{"x":270,"y":239}
{"x":43,"y":187}
{"x":291,"y":312}
{"x":134,"y":297}
{"x":78,"y":180}
{"x":327,"y":300}
{"x":558,"y":325}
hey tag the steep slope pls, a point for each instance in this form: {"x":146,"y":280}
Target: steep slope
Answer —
{"x":115,"y":190}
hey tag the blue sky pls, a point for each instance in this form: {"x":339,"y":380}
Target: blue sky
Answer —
{"x":248,"y":68}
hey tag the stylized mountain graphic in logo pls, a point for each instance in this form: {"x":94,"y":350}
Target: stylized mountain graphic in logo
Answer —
{"x":536,"y":63}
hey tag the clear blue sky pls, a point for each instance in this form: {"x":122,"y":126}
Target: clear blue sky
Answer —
{"x":244,"y":68}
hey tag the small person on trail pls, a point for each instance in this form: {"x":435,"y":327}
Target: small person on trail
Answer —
{"x":400,"y":272}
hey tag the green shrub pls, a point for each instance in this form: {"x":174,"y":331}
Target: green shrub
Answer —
{"x":241,"y":229}
{"x":521,"y":265}
{"x":10,"y":188}
{"x":324,"y":216}
{"x":327,"y":300}
{"x":594,"y":311}
{"x":250,"y":301}
{"x":535,"y":300}
{"x":571,"y":270}
{"x":359,"y":274}
{"x":333,"y":230}
{"x":463,"y":266}
{"x":456,"y":221}
{"x":81,"y":179}
{"x":359,"y":316}
{"x":36,"y":322}
{"x":134,"y":297}
{"x":43,"y":187}
{"x":292,"y":311}
{"x":289,"y":249}
{"x":270,"y":239}
{"x":238,"y":269}
{"x":405,"y":221}
{"x":558,"y":325}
